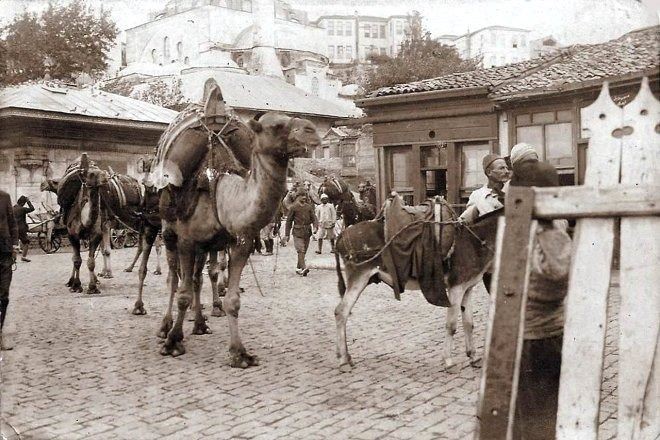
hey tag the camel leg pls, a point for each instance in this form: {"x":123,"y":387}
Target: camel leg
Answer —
{"x":214,"y":271}
{"x":174,"y":343}
{"x":147,"y":238}
{"x":239,"y":357}
{"x":200,"y":327}
{"x":173,"y":281}
{"x":93,"y":288}
{"x":74,"y":283}
{"x":158,"y":250}
{"x":222,"y":274}
{"x":138,"y":253}
{"x":455,"y":299}
{"x":468,"y":327}
{"x":356,"y":283}
{"x":105,"y":250}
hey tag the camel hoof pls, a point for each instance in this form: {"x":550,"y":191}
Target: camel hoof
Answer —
{"x":76,"y":289}
{"x":139,"y":310}
{"x":93,"y":290}
{"x":106,"y":275}
{"x":218,"y":312}
{"x":476,"y":362}
{"x":157,"y":272}
{"x":128,"y":269}
{"x":243,"y":360}
{"x":165,"y":328}
{"x":346,"y":368}
{"x":173,"y":349}
{"x":201,"y":329}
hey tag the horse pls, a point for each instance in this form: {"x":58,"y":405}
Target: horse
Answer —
{"x":471,"y":257}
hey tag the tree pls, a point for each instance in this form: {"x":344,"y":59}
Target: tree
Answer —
{"x":75,"y":38}
{"x":420,"y":57}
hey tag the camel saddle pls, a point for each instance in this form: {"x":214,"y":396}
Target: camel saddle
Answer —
{"x":69,"y":185}
{"x":419,"y":244}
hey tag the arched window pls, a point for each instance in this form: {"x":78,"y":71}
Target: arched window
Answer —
{"x":315,"y":86}
{"x":179,"y":50}
{"x":154,"y":56}
{"x":186,"y":60}
{"x":166,"y":49}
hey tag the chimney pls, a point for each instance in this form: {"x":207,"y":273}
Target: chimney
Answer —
{"x":264,"y":60}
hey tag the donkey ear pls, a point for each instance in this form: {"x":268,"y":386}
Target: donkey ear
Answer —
{"x":255,"y":126}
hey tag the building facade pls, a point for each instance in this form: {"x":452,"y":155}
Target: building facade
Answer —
{"x":352,"y":38}
{"x":430,"y":136}
{"x":494,"y":45}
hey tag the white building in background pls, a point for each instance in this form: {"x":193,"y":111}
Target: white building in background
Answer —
{"x":238,"y":35}
{"x":349,"y":38}
{"x":495,"y":45}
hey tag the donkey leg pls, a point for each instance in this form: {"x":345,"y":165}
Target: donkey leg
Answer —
{"x":356,"y":283}
{"x":455,"y":299}
{"x":214,"y":271}
{"x":74,"y":282}
{"x":174,"y":343}
{"x":173,"y":281}
{"x":200,"y":327}
{"x":468,"y":327}
{"x":239,"y":357}
{"x":93,"y":287}
{"x":146,"y":242}
{"x":105,"y":250}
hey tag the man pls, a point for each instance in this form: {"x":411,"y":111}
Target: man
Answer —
{"x":327,"y":217}
{"x":489,"y":197}
{"x":301,"y":218}
{"x":540,"y":364}
{"x":20,"y":213}
{"x":8,"y":245}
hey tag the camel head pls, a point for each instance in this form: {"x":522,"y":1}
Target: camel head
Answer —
{"x":94,"y":177}
{"x":283,"y":136}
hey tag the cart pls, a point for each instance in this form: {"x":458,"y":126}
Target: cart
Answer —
{"x":48,"y":230}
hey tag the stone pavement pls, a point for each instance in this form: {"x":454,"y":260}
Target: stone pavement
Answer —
{"x":83,"y":367}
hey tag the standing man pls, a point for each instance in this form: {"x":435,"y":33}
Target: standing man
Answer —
{"x":327,"y":217}
{"x":20,"y":212}
{"x":489,"y":197}
{"x":301,"y":218}
{"x":8,"y":245}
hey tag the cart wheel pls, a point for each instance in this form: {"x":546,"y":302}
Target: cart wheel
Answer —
{"x":117,"y":238}
{"x":131,"y":239}
{"x":51,"y":246}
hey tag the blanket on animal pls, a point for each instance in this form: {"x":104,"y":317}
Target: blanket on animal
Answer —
{"x":69,"y":185}
{"x":418,"y":249}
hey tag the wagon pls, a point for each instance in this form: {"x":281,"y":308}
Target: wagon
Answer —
{"x":48,"y":229}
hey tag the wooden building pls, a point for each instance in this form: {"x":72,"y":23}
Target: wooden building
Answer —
{"x":45,"y":126}
{"x":430,"y":136}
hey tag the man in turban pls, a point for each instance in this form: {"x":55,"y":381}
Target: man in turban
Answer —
{"x":489,"y":197}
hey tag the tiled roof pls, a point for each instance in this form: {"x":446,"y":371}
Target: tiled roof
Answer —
{"x":82,"y":102}
{"x":635,"y":52}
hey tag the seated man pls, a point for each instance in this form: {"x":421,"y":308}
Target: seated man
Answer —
{"x":489,"y":197}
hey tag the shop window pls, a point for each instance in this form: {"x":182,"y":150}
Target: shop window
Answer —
{"x":551,"y":134}
{"x":472,"y":175}
{"x":435,"y":183}
{"x":434,"y":157}
{"x":400,"y":170}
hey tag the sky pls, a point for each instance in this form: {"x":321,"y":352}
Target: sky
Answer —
{"x":570,"y":21}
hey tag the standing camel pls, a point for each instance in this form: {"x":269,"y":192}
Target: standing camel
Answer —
{"x":228,"y":216}
{"x":79,"y":195}
{"x":473,"y":252}
{"x":348,"y":208}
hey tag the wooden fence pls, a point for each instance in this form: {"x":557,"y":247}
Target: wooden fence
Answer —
{"x":622,"y":181}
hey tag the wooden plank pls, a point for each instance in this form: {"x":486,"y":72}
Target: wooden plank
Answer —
{"x":639,"y":319}
{"x":584,"y":201}
{"x":437,"y":123}
{"x":586,"y":304}
{"x":447,"y":134}
{"x":500,"y":376}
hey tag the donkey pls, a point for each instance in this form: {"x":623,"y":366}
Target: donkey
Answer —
{"x":472,"y":256}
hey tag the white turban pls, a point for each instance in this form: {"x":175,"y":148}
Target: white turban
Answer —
{"x":522,"y":151}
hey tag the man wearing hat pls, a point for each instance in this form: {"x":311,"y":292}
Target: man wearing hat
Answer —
{"x":327,"y":217}
{"x":489,"y":197}
{"x":300,"y":219}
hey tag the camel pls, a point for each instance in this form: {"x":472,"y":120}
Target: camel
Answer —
{"x":85,"y":218}
{"x":470,"y":258}
{"x":225,"y":217}
{"x":348,"y":208}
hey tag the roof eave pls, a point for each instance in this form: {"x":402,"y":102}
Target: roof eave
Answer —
{"x":57,"y":116}
{"x":421,"y":96}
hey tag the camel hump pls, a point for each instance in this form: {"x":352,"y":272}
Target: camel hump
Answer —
{"x":214,"y":104}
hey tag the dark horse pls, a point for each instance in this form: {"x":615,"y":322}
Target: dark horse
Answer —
{"x":351,"y":210}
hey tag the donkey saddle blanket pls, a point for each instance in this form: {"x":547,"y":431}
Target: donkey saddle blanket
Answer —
{"x":418,"y":247}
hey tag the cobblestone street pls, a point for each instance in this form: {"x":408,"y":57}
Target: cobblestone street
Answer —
{"x":84,"y":367}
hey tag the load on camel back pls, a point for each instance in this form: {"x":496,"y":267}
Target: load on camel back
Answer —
{"x":221,"y":181}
